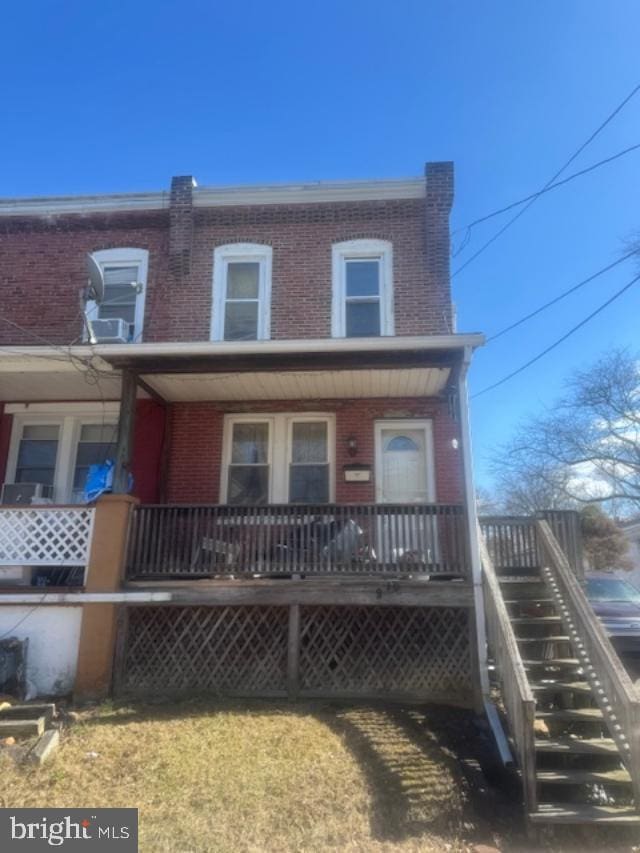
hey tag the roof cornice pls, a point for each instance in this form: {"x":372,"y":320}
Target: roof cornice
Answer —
{"x":223,"y":196}
{"x":310,"y":193}
{"x":60,"y":205}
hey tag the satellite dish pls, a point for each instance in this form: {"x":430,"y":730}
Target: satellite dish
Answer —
{"x":95,"y":291}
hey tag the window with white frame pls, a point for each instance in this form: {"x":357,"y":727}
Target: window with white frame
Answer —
{"x":241,"y":292}
{"x":279,"y":458}
{"x":125,"y":283}
{"x":56,"y":447}
{"x":37,"y":453}
{"x":362,"y":289}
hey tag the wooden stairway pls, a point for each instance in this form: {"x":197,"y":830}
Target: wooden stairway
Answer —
{"x":579,"y":772}
{"x":572,"y":713}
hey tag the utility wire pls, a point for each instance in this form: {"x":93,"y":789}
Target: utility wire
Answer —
{"x":556,"y":343}
{"x":551,"y":187}
{"x":561,"y":296}
{"x":83,"y":364}
{"x":551,"y":180}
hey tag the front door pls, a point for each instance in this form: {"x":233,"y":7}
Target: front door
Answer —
{"x":404,"y":475}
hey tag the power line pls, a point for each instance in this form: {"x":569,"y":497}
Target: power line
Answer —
{"x":551,"y":180}
{"x":83,"y":365}
{"x":551,"y":187}
{"x":560,"y":340}
{"x":561,"y":296}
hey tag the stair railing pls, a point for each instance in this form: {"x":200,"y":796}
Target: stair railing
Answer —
{"x":516,"y":692}
{"x":612,"y":687}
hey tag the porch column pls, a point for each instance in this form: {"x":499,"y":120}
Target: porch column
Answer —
{"x":479,"y":648}
{"x":126,"y":424}
{"x":105,"y":573}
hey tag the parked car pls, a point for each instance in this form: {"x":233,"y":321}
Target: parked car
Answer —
{"x":617,"y":603}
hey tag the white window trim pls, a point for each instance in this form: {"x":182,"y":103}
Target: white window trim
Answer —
{"x":279,"y":455}
{"x":70,"y":420}
{"x":340,"y":253}
{"x":406,"y":424}
{"x":222,"y":256}
{"x":125,"y":257}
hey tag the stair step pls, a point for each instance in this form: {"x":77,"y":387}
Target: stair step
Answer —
{"x":563,"y":687}
{"x":553,"y":662}
{"x":577,"y":813}
{"x":584,"y":777}
{"x":558,"y":638}
{"x":528,"y":601}
{"x":536,"y":620}
{"x":577,"y":714}
{"x":575,"y":746}
{"x":24,"y":727}
{"x":522,"y":587}
{"x":521,"y":580}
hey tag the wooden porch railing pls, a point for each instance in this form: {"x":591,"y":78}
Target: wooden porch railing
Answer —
{"x":614,"y":690}
{"x":515,"y":689}
{"x":202,"y":541}
{"x":512,"y":540}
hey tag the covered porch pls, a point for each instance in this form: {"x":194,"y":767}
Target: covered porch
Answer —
{"x":281,"y":458}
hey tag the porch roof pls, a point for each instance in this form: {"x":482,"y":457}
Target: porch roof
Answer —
{"x":256,"y":370}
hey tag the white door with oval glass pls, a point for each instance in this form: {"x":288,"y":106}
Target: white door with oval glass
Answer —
{"x":405,"y":476}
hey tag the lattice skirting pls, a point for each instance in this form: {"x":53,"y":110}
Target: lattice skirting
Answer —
{"x":384,"y":650}
{"x":232,"y":650}
{"x":387,"y":652}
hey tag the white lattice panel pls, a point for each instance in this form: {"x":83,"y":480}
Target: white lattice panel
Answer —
{"x":45,"y":536}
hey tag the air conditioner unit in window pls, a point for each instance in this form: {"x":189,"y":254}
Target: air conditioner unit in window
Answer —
{"x":27,"y":493}
{"x":114,"y":331}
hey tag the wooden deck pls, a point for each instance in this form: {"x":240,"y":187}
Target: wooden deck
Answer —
{"x":405,"y":592}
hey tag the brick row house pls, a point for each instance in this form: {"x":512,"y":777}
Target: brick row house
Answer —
{"x":276,"y":373}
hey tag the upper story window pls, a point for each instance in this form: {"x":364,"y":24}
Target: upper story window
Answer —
{"x":241,"y":292}
{"x":362,"y":289}
{"x":125,"y":284}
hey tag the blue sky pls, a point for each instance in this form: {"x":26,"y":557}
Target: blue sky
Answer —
{"x":116,"y":97}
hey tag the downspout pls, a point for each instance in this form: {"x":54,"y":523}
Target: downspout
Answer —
{"x":476,"y":563}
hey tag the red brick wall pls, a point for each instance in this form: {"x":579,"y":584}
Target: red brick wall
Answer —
{"x":195,"y":451}
{"x":42,"y":262}
{"x":43,"y":268}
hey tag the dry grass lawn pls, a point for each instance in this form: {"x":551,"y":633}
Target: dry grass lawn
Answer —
{"x":258,"y":777}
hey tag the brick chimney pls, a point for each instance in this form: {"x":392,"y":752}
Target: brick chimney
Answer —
{"x":181,"y":225}
{"x":438,"y":202}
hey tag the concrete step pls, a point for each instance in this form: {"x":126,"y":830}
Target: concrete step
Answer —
{"x":584,"y":777}
{"x":22,"y":727}
{"x":577,"y":746}
{"x":582,"y":814}
{"x":29,"y":711}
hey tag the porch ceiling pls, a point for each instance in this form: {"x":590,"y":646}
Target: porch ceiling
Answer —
{"x":258,"y":370}
{"x":300,"y":384}
{"x":33,"y":378}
